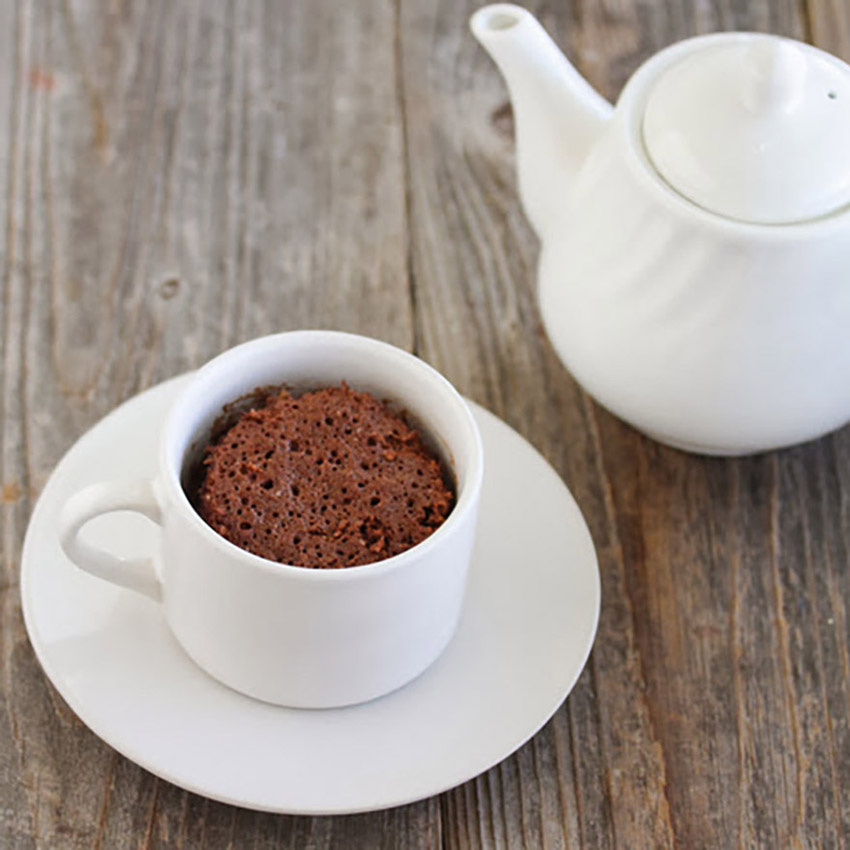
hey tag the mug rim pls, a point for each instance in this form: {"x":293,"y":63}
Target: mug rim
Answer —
{"x":466,"y":498}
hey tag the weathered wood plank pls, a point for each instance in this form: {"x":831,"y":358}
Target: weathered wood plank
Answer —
{"x":178,"y":177}
{"x":473,"y":265}
{"x":830,"y":26}
{"x":16,"y":827}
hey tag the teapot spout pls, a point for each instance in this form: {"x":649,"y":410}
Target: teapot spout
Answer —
{"x":558,"y":116}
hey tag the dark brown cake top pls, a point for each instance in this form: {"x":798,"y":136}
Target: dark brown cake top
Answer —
{"x":331,"y":478}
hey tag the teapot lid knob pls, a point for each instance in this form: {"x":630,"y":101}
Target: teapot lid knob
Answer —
{"x":774,"y":75}
{"x":755,"y":129}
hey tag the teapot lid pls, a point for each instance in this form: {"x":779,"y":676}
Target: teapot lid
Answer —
{"x":756,"y":129}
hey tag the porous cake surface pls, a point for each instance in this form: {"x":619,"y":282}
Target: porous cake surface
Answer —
{"x":330,"y":478}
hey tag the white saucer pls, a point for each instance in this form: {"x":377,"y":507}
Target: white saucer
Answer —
{"x":527,"y":627}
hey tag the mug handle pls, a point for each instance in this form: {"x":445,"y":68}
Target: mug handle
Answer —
{"x":106,"y":497}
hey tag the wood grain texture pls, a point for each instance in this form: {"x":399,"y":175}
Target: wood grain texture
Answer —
{"x":830,"y":26}
{"x":178,"y":177}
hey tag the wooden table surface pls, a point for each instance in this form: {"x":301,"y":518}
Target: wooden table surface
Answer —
{"x":182,"y":176}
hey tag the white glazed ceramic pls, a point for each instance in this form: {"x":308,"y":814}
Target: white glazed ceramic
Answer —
{"x":283,"y":634}
{"x":706,"y":331}
{"x":525,"y":631}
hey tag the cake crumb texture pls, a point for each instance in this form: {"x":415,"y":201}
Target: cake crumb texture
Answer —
{"x":331,"y":478}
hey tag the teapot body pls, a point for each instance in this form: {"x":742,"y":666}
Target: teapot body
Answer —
{"x":707,"y":334}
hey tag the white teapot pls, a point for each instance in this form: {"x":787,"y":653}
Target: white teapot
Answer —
{"x":695,"y":266}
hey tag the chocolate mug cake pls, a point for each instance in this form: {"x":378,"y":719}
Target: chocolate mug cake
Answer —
{"x":326,"y":479}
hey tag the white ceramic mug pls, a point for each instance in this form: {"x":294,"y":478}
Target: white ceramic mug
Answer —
{"x":292,"y":635}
